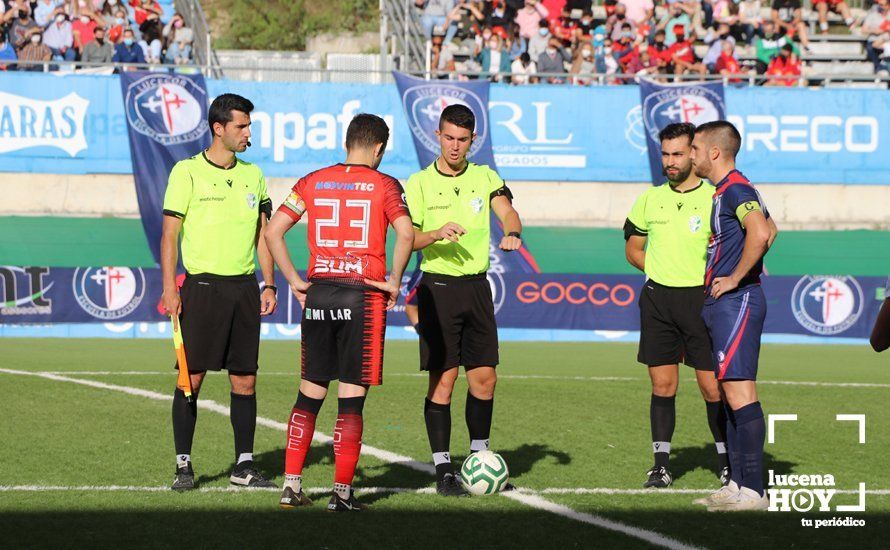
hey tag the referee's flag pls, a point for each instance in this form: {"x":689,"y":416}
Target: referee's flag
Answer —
{"x":166,"y":122}
{"x":663,"y":104}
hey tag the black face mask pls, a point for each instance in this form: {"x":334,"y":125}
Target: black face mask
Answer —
{"x":100,"y":41}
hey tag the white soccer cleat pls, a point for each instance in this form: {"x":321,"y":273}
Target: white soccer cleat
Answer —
{"x":720,"y":495}
{"x":744,"y":500}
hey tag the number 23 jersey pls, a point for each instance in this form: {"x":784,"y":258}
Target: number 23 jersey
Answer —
{"x":348,"y":209}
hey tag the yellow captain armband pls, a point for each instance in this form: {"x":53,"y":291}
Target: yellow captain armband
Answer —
{"x":746,"y":208}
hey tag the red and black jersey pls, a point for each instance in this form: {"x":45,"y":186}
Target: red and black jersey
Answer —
{"x":349,"y":207}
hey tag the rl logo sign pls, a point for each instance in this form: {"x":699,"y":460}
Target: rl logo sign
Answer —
{"x":804,"y":493}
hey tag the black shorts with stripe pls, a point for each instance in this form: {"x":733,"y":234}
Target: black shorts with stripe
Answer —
{"x":456,"y":322}
{"x":343,"y":328}
{"x":671,"y":327}
{"x":221,"y":322}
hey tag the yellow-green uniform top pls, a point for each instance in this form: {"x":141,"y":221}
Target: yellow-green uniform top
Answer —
{"x":435,"y":199}
{"x":677,"y":226}
{"x":219,"y":208}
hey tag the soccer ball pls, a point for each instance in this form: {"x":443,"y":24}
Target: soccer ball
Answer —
{"x":484,"y":473}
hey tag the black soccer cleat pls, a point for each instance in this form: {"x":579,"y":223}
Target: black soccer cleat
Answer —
{"x":725,"y":476}
{"x":337,"y":504}
{"x":184,"y":479}
{"x":659,"y":478}
{"x":290,"y":499}
{"x":449,"y":486}
{"x":245,"y":475}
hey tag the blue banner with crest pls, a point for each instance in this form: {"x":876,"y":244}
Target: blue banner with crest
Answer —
{"x":166,"y":118}
{"x":664,"y":104}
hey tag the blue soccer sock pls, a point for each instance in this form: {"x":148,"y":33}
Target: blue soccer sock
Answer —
{"x":732,"y":446}
{"x":751,"y":431}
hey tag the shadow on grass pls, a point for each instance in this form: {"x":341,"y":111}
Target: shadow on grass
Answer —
{"x":688,"y":459}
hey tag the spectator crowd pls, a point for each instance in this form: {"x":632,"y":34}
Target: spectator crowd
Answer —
{"x":562,"y":41}
{"x":91,"y":32}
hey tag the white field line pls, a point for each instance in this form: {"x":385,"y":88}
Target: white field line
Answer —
{"x":530,"y":500}
{"x":379,"y":490}
{"x":295,"y":375}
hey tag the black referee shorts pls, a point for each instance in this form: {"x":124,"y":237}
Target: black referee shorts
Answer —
{"x":456,"y":322}
{"x":221,"y":322}
{"x":671,"y":327}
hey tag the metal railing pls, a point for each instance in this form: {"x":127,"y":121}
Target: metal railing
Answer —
{"x":401,"y":35}
{"x":300,"y":74}
{"x":202,"y":47}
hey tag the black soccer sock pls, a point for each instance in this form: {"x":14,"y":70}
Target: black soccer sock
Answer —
{"x":438,"y":430}
{"x":717,"y":423}
{"x":478,"y":415}
{"x":185,"y":415}
{"x":732,"y":446}
{"x":751,"y":430}
{"x":242,"y":410}
{"x":662,"y":417}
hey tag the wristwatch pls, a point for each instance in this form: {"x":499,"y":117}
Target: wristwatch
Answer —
{"x":273,"y":287}
{"x":514,"y":234}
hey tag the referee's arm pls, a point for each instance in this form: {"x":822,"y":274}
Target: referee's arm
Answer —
{"x":635,"y":245}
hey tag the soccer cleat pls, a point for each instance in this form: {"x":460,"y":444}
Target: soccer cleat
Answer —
{"x":184,"y":480}
{"x":290,"y":499}
{"x":245,"y":475}
{"x":659,"y":478}
{"x":449,"y":486}
{"x":720,"y":495}
{"x":337,"y":504}
{"x":744,"y":500}
{"x":725,"y":476}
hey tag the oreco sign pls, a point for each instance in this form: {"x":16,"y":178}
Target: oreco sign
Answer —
{"x":26,"y":122}
{"x":802,"y":133}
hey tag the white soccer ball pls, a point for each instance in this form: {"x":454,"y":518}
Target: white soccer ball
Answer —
{"x":484,"y":473}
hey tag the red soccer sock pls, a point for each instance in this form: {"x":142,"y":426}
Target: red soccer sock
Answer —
{"x":299,"y":437}
{"x":347,"y":447}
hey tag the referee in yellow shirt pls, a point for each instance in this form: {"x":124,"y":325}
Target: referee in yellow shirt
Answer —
{"x":450,"y":203}
{"x":667,"y":235}
{"x":218,"y":204}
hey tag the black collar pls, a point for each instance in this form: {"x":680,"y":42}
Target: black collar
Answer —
{"x":215,"y":165}
{"x":674,"y":189}
{"x":461,"y":173}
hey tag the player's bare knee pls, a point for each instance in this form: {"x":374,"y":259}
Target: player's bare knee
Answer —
{"x":483,"y":388}
{"x":667,"y":388}
{"x":243,"y":384}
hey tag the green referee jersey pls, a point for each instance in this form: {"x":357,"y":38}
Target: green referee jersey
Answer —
{"x":219,"y":208}
{"x":677,"y":226}
{"x":435,"y":199}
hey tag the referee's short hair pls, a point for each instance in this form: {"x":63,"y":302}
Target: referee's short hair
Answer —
{"x":676,"y":130}
{"x":365,"y":131}
{"x":459,"y":115}
{"x":722,"y":134}
{"x":222,"y":107}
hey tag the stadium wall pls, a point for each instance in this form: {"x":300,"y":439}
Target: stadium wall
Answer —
{"x":590,"y":204}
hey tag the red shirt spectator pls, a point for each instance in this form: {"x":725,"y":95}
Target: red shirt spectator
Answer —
{"x":785,"y":64}
{"x":142,"y":9}
{"x":554,"y":9}
{"x":83,"y":28}
{"x":681,"y":50}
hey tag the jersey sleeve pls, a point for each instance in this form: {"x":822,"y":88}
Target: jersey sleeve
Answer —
{"x":635,"y":224}
{"x":414,"y":198}
{"x":744,"y":199}
{"x":179,"y":191}
{"x":295,"y":205}
{"x":265,"y":201}
{"x":497,"y":187}
{"x":394,"y":204}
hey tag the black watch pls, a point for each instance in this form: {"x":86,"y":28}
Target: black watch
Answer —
{"x":514,"y":234}
{"x":273,"y":287}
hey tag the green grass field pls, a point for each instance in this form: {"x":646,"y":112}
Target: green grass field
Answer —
{"x":570,"y":419}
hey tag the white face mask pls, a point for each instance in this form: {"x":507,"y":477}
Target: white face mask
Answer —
{"x":112,"y":2}
{"x":84,"y":19}
{"x":35,"y":39}
{"x":586,"y":53}
{"x":608,"y":49}
{"x":60,"y":18}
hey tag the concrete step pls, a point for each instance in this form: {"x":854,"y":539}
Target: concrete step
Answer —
{"x":839,"y":67}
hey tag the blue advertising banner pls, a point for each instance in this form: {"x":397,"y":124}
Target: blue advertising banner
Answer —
{"x":832,"y":307}
{"x":166,"y":122}
{"x":664,"y":104}
{"x":75,"y":124}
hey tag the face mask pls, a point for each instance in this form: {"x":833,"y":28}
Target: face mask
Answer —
{"x":543,"y":32}
{"x":128,"y":41}
{"x":551,"y":50}
{"x":120,"y":20}
{"x":586,"y":53}
{"x":492,"y":45}
{"x":680,"y":37}
{"x":620,"y":16}
{"x":177,"y":24}
{"x":60,"y":19}
{"x":608,"y":49}
{"x":84,"y":19}
{"x":100,"y":40}
{"x":627,"y":35}
{"x":112,"y":2}
{"x":585,"y":22}
{"x":35,"y":39}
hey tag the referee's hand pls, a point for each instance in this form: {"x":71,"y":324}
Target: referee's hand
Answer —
{"x":171,"y":303}
{"x":450,"y":231}
{"x":509,"y":243}
{"x":268,"y":301}
{"x":390,"y":288}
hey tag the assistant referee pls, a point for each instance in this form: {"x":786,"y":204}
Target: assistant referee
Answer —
{"x":667,"y":235}
{"x":219,"y":205}
{"x":450,"y":203}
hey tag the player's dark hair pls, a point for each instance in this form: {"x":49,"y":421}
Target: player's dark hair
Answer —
{"x":676,"y":130}
{"x":724,"y":135}
{"x":222,"y":107}
{"x":366,"y":131}
{"x":459,"y":115}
